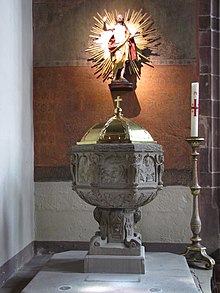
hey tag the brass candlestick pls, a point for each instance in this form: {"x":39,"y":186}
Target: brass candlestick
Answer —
{"x":196,"y":252}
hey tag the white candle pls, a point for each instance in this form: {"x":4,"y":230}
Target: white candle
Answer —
{"x":195,"y":109}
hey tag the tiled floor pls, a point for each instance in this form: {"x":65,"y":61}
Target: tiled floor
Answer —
{"x":26,"y":274}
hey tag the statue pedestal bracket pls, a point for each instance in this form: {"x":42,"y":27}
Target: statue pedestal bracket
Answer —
{"x":121,"y":85}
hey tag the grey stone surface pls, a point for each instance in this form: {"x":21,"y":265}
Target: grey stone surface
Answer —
{"x":124,"y":264}
{"x":202,"y":279}
{"x":165,"y":272}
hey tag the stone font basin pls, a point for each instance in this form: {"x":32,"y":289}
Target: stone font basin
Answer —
{"x":117,"y":175}
{"x":117,"y":167}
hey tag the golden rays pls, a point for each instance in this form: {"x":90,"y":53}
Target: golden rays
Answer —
{"x":146,"y":39}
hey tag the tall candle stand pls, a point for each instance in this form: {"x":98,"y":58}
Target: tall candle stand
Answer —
{"x":196,"y":252}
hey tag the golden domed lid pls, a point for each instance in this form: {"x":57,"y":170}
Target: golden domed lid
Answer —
{"x":117,"y":129}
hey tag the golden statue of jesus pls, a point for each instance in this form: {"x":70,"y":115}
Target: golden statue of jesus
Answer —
{"x":120,"y":42}
{"x":121,"y":46}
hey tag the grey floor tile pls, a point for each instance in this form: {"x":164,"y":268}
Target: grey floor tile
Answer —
{"x":6,"y":290}
{"x":202,"y":279}
{"x":36,"y":263}
{"x":24,"y":276}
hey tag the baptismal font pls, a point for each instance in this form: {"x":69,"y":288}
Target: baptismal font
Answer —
{"x":117,"y":167}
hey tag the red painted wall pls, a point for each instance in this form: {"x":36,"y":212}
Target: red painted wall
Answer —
{"x":69,"y":100}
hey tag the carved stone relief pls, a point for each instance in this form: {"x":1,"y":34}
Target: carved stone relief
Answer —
{"x":83,"y":169}
{"x":116,"y":226}
{"x":114,"y":170}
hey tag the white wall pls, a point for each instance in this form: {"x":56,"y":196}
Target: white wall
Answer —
{"x":62,"y":216}
{"x":16,"y":128}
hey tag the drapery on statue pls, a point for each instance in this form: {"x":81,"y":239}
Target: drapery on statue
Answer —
{"x":121,"y":43}
{"x":121,"y":46}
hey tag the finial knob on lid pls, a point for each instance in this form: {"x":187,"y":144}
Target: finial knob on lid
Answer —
{"x":118,"y":109}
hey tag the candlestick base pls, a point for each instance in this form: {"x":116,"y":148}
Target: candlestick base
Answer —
{"x":196,"y":255}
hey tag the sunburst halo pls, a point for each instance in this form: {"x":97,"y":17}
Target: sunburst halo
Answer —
{"x":146,"y":40}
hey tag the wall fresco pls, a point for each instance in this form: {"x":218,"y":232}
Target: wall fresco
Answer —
{"x":68,"y":99}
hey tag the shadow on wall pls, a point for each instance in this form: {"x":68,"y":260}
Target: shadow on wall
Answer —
{"x":130,"y":105}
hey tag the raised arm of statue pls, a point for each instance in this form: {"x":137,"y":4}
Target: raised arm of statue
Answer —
{"x":105,"y":28}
